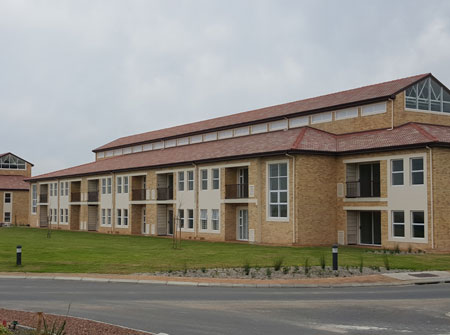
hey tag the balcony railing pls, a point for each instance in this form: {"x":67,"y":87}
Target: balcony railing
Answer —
{"x":43,"y":198}
{"x":93,"y":196}
{"x":75,"y":197}
{"x":138,"y":194}
{"x":363,"y":189}
{"x":165,"y":193}
{"x":236,"y":191}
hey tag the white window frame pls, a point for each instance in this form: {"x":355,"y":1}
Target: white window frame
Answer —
{"x":418,"y":224}
{"x":190,"y":221}
{"x":103,"y":185}
{"x":180,"y":181}
{"x":109,"y":216}
{"x":215,"y":220}
{"x":348,"y":113}
{"x":9,"y":196}
{"x":181,"y":217}
{"x":109,"y":185}
{"x":402,"y":172}
{"x":119,"y":185}
{"x":34,"y":198}
{"x":373,"y":109}
{"x":321,"y":117}
{"x":125,"y":184}
{"x":394,"y":223}
{"x":191,"y":184}
{"x":61,"y":188}
{"x":268,"y":216}
{"x":204,"y":179}
{"x":416,"y":171}
{"x":9,"y":217}
{"x":103,"y":216}
{"x":119,"y":218}
{"x":125,"y":217}
{"x":66,"y":215}
{"x":61,"y":214}
{"x":215,"y":180}
{"x":203,"y":219}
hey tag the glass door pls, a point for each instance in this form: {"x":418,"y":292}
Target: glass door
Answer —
{"x":243,"y":225}
{"x":170,"y":222}
{"x":370,"y":228}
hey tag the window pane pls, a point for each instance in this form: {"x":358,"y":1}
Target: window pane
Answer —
{"x":274,"y":210}
{"x":273,"y":170}
{"x":417,"y":178}
{"x":283,"y":170}
{"x":273,"y":184}
{"x":399,"y":217}
{"x":273,"y":197}
{"x":283,"y":211}
{"x":399,"y":230}
{"x":283,"y":183}
{"x":419,"y":231}
{"x":418,"y":217}
{"x":397,"y":179}
{"x":417,"y":164}
{"x":397,"y":165}
{"x":283,"y":197}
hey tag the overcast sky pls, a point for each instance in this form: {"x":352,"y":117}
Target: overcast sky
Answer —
{"x":75,"y":75}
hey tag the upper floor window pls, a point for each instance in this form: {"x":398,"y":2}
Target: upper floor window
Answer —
{"x":108,"y":185}
{"x":7,"y":198}
{"x":103,"y":185}
{"x":346,"y":113}
{"x":181,"y":181}
{"x":278,"y":194}
{"x":12,"y":162}
{"x":417,"y":171}
{"x":397,"y":171}
{"x":33,"y":198}
{"x":204,"y":177}
{"x":215,"y":179}
{"x":374,"y":109}
{"x":125,"y":184}
{"x":428,"y":95}
{"x":119,"y":184}
{"x":190,"y":180}
{"x":322,"y":117}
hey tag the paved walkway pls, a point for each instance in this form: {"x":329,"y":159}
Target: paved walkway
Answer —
{"x":388,"y":279}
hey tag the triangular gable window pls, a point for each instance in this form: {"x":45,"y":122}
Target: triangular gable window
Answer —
{"x":428,"y":95}
{"x":12,"y":162}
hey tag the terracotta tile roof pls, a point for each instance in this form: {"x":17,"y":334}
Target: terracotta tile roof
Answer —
{"x":279,"y":142}
{"x":362,"y":94}
{"x":13,"y":183}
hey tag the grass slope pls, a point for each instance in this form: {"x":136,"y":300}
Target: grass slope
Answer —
{"x":83,"y":252}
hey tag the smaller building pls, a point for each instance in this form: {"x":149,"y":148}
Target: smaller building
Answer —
{"x":14,"y":191}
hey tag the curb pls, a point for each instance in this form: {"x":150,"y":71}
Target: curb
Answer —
{"x":229,"y":285}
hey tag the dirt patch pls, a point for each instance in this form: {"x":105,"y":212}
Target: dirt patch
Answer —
{"x":74,"y":326}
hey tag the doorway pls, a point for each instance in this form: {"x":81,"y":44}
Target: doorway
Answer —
{"x":170,"y":222}
{"x":370,"y":228}
{"x":242,"y":224}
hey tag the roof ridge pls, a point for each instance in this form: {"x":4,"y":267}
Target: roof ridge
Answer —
{"x":424,"y":132}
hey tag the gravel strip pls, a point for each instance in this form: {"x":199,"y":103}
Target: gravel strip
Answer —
{"x":74,"y":326}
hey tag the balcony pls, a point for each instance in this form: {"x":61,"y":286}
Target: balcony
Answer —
{"x":139,"y":194}
{"x":236,"y":191}
{"x":43,"y":198}
{"x":93,"y":196}
{"x":75,"y":197}
{"x":165,"y":193}
{"x":363,"y":189}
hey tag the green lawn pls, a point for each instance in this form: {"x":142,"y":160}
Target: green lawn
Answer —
{"x":83,"y":252}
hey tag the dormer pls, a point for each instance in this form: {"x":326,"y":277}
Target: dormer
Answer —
{"x":13,"y":165}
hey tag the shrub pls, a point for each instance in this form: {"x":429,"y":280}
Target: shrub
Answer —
{"x":286,"y":270}
{"x":386,"y":262}
{"x":203,"y":269}
{"x":278,"y":263}
{"x":268,"y":272}
{"x":55,"y":329}
{"x":307,"y":266}
{"x":246,"y":267}
{"x":4,"y":331}
{"x":322,"y":261}
{"x":361,"y":264}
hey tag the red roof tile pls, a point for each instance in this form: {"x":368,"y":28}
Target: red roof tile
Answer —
{"x":366,"y":93}
{"x":13,"y":183}
{"x":279,"y":142}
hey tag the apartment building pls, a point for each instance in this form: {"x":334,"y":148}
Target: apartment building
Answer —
{"x":367,"y":166}
{"x":14,"y":190}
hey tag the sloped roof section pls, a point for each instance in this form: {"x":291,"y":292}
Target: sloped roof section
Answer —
{"x":335,"y":100}
{"x":299,"y":140}
{"x":13,"y":183}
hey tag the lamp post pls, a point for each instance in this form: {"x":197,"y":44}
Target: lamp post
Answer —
{"x":19,"y":255}
{"x":334,"y":249}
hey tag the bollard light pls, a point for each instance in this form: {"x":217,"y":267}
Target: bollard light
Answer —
{"x":334,"y":249}
{"x":19,"y":255}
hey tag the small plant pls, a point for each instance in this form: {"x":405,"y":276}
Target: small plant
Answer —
{"x":322,"y":261}
{"x":55,"y":329}
{"x":268,"y":272}
{"x":286,"y":270}
{"x":4,"y":331}
{"x":307,"y":266}
{"x":203,"y":269}
{"x":278,"y":263}
{"x":397,"y":249}
{"x":386,"y":262}
{"x":347,"y":267}
{"x":296,"y":269}
{"x":247,"y":267}
{"x":361,"y":264}
{"x":185,"y":268}
{"x":170,"y":271}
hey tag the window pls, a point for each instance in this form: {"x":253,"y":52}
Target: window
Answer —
{"x":398,"y":224}
{"x":417,"y":171}
{"x":418,"y":224}
{"x":397,"y":171}
{"x":51,"y":190}
{"x":61,"y":213}
{"x":215,"y":219}
{"x":7,"y":198}
{"x":181,"y":217}
{"x":55,"y":215}
{"x":66,"y":191}
{"x":103,"y":216}
{"x":215,"y":179}
{"x":108,"y":185}
{"x":67,"y":215}
{"x":278,"y":195}
{"x":181,"y":181}
{"x":125,"y":217}
{"x":322,"y":117}
{"x":7,"y":217}
{"x":190,"y":180}
{"x":204,"y":174}
{"x":346,"y":113}
{"x":61,"y":187}
{"x":298,"y":121}
{"x":428,"y":95}
{"x":119,"y":217}
{"x":104,"y":186}
{"x":119,"y":184}
{"x":374,"y":109}
{"x":204,"y":219}
{"x":12,"y":162}
{"x":34,"y":198}
{"x":125,"y":184}
{"x":55,"y":189}
{"x":190,"y":218}
{"x":109,"y":216}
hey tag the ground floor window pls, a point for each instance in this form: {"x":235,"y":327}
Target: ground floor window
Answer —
{"x":418,"y":224}
{"x":7,"y":217}
{"x":181,"y":217}
{"x":190,"y":218}
{"x":204,"y":219}
{"x":215,"y":219}
{"x":398,"y":223}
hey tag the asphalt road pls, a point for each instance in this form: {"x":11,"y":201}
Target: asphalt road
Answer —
{"x":211,"y":310}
